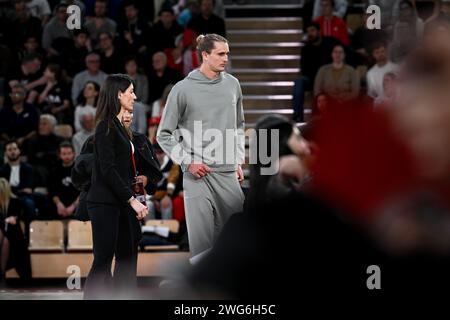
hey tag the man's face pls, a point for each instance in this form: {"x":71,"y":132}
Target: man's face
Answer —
{"x":45,"y":128}
{"x":100,"y":9}
{"x":218,"y":57}
{"x":66,"y":155}
{"x":131,"y":12}
{"x":327,"y":8}
{"x":207,"y":7}
{"x":12,"y":152}
{"x":88,"y":122}
{"x":62,"y":13}
{"x":158,"y":62}
{"x":313,"y":34}
{"x":93,"y":64}
{"x":31,"y":44}
{"x":81,"y":39}
{"x":17,"y":95}
{"x":379,"y":54}
{"x":166,"y":18}
{"x":105,"y":41}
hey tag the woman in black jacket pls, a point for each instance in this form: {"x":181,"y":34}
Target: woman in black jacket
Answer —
{"x":112,"y":207}
{"x":13,"y":248}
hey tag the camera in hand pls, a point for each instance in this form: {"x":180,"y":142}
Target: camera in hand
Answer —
{"x":139,"y":192}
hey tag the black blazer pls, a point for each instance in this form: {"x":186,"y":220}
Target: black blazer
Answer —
{"x":25,"y":175}
{"x":145,"y":158}
{"x":112,"y":172}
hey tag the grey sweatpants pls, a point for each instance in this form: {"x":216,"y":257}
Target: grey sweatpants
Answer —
{"x":209,"y":202}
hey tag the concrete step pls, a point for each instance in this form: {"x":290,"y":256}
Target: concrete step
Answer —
{"x":267,"y":101}
{"x":252,"y":116}
{"x":264,"y":23}
{"x":265,"y":74}
{"x":261,"y":35}
{"x":265,"y":48}
{"x":266,"y":61}
{"x":267,"y":87}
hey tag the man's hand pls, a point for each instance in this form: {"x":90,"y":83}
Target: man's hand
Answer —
{"x":62,"y":211}
{"x":240,"y":174}
{"x":70,"y":209}
{"x":199,"y":170}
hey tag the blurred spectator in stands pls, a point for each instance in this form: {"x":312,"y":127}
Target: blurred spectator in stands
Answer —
{"x":20,"y":177}
{"x":403,"y":42}
{"x":39,"y":9}
{"x":87,"y":129}
{"x":191,"y":9}
{"x":140,"y":80}
{"x":191,"y":60}
{"x":321,"y":105}
{"x":390,"y":92}
{"x":339,"y":8}
{"x":376,"y":73}
{"x":315,"y":53}
{"x":337,"y":80}
{"x":88,"y":103}
{"x":92,"y":73}
{"x":139,"y":124}
{"x":175,"y":55}
{"x":389,"y":12}
{"x":441,"y":9}
{"x":331,"y":25}
{"x":99,"y":22}
{"x":23,"y":25}
{"x":207,"y":21}
{"x":42,"y":149}
{"x":111,"y":58}
{"x":30,"y":45}
{"x":56,"y":28}
{"x":13,"y":247}
{"x":160,"y":76}
{"x":161,"y":206}
{"x":28,"y":74}
{"x":363,"y":39}
{"x":134,"y":32}
{"x":157,"y":111}
{"x":63,"y":193}
{"x":165,"y":31}
{"x":19,"y":120}
{"x":54,"y":97}
{"x":408,"y":12}
{"x":74,"y":56}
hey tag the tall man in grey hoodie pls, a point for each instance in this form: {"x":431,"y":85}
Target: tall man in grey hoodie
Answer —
{"x":202,"y":129}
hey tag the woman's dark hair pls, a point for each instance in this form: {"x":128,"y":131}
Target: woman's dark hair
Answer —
{"x":108,"y":105}
{"x":59,"y":73}
{"x":259,"y":182}
{"x":82,"y":100}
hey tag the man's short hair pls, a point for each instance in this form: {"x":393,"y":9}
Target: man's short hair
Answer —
{"x":50,"y":118}
{"x":10,"y":142}
{"x":65,"y":144}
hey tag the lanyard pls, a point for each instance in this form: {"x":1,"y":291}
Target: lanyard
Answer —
{"x":133,"y":160}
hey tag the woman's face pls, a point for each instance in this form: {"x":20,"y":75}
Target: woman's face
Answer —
{"x":49,"y":74}
{"x":127,"y":98}
{"x":338,"y":54}
{"x":131,"y":67}
{"x":89,"y":91}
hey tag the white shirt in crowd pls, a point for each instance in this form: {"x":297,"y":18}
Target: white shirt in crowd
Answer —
{"x":375,"y":78}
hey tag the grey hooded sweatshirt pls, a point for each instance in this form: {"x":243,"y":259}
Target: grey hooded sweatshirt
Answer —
{"x":203,"y":120}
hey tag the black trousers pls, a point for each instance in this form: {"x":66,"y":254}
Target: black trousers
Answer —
{"x":116,"y":233}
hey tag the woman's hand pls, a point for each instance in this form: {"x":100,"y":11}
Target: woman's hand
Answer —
{"x":11,"y":220}
{"x":139,"y":208}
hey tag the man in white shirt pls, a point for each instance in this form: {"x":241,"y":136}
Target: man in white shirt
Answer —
{"x":375,"y":74}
